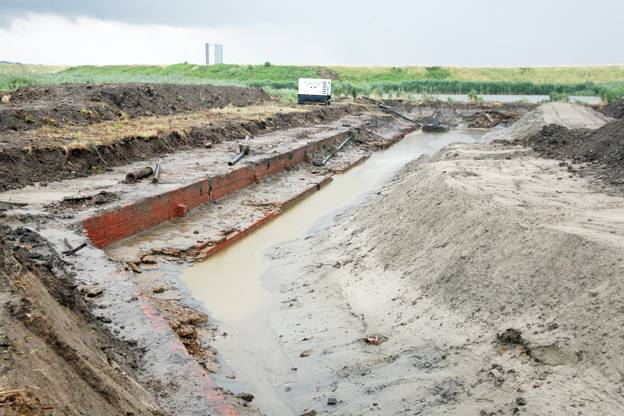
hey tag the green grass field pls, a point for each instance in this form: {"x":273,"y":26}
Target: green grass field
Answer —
{"x":280,"y":80}
{"x":18,"y":69}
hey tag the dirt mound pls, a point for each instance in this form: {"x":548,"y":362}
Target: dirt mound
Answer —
{"x":33,"y":107}
{"x":615,"y":109}
{"x":603,"y":148}
{"x":56,"y":358}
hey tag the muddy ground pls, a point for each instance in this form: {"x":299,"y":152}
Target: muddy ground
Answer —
{"x":480,"y":281}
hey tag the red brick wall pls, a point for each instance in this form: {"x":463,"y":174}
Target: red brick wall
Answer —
{"x":113,"y":225}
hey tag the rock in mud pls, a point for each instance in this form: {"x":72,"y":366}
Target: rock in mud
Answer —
{"x":148,"y":259}
{"x":186,"y":331}
{"x":159,"y":289}
{"x":83,"y":201}
{"x":248,"y":397}
{"x":510,"y":336}
{"x":374,"y":339}
{"x":93,"y":291}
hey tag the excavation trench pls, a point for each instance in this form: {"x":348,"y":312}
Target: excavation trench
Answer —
{"x":230,"y":283}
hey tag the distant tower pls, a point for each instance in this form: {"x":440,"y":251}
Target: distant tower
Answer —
{"x":214,"y":53}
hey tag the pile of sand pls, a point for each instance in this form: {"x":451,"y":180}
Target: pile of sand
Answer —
{"x":567,"y":115}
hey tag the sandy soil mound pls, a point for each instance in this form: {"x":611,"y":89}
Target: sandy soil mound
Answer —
{"x":564,"y":114}
{"x":603,"y":147}
{"x":56,"y":358}
{"x":493,"y":279}
{"x":33,"y":107}
{"x":615,"y":109}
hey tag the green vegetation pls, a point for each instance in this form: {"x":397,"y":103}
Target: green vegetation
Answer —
{"x":437,"y":72}
{"x":556,"y":96}
{"x":266,"y":72}
{"x":281,"y":80}
{"x":19,"y":69}
{"x":473,"y":97}
{"x":538,"y":75}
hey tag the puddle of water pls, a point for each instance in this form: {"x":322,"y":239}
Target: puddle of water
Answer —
{"x":35,"y":195}
{"x":230,"y":285}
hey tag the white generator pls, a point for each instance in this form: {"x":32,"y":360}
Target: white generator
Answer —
{"x":313,"y":90}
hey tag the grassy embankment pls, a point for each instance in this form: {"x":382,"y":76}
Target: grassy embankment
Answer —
{"x":557,"y":82}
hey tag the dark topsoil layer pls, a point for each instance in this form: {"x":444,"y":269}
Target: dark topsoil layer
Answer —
{"x":615,"y":109}
{"x":56,"y":357}
{"x":33,"y":107}
{"x":20,"y":167}
{"x":602,"y":149}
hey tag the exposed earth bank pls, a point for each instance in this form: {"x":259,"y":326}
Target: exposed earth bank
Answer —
{"x":32,"y":107}
{"x":56,"y":357}
{"x":615,"y":109}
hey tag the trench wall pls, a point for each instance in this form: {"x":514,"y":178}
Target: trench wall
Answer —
{"x":121,"y":222}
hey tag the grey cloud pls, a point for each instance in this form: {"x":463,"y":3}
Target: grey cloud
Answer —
{"x":392,"y":32}
{"x":181,"y":12}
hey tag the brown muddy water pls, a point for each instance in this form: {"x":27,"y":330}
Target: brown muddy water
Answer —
{"x":230,"y":284}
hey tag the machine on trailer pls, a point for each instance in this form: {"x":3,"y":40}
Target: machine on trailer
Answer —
{"x":313,"y":90}
{"x":436,"y":125}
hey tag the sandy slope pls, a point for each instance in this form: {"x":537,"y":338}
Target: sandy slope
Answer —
{"x":572,"y":116}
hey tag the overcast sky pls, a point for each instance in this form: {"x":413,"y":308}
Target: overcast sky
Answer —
{"x":347,"y":32}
